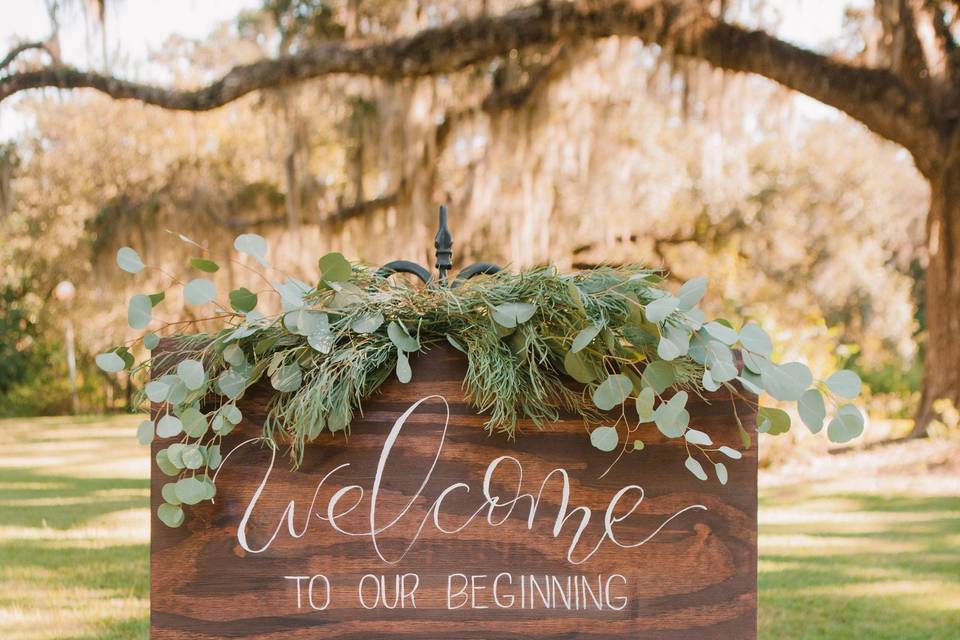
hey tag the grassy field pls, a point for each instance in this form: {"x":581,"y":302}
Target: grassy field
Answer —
{"x":866,"y":549}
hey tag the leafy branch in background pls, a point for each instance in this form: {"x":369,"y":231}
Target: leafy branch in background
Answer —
{"x":609,"y":344}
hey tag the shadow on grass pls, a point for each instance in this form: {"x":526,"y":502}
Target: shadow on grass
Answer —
{"x":31,"y":499}
{"x":796,"y":496}
{"x":902,"y":582}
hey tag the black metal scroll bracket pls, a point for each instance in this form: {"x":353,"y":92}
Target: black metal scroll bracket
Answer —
{"x":443,"y":243}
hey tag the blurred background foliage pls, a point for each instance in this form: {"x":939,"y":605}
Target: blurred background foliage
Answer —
{"x":576,"y":154}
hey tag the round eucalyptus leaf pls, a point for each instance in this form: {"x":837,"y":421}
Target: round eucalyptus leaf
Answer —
{"x":403,"y":367}
{"x":674,"y":342}
{"x":209,"y":489}
{"x":645,"y":401}
{"x":275,"y":363}
{"x":755,"y":340}
{"x":844,"y":383}
{"x":846,"y":425}
{"x":721,"y":470}
{"x":190,"y":490}
{"x":321,"y":342}
{"x":754,"y":362}
{"x":287,"y":378}
{"x":125,"y":355}
{"x":254,"y":246}
{"x":691,"y":293}
{"x":786,"y":381}
{"x":604,"y":438}
{"x":612,"y":392}
{"x":202,"y":264}
{"x":694,"y":467}
{"x":175,"y":454}
{"x":334,"y":268}
{"x":164,"y":464}
{"x":730,"y":452}
{"x":347,"y":295}
{"x":129,"y":260}
{"x":243,"y":300}
{"x":660,"y":375}
{"x":199,"y":291}
{"x":169,"y":426}
{"x":292,"y":293}
{"x":178,"y":391}
{"x":157,"y":390}
{"x":750,"y":381}
{"x":139,"y":312}
{"x":721,"y":332}
{"x":658,"y":310}
{"x":812,"y":410}
{"x":232,"y":383}
{"x":214,"y":457}
{"x":695,"y":436}
{"x":719,"y":359}
{"x":194,"y":422}
{"x":110,"y":362}
{"x":671,"y":417}
{"x":698,"y":346}
{"x":220,"y":425}
{"x":585,"y":337}
{"x":170,"y":515}
{"x":695,"y":319}
{"x":232,"y":414}
{"x":151,"y":340}
{"x":192,"y":458}
{"x":401,"y":339}
{"x":638,"y":445}
{"x":367,"y":323}
{"x":773,"y":421}
{"x":169,"y":493}
{"x":310,"y":322}
{"x":191,"y":373}
{"x":234,"y":356}
{"x":145,"y":432}
{"x":723,"y":371}
{"x":580,"y":367}
{"x":708,"y":382}
{"x":511,"y":314}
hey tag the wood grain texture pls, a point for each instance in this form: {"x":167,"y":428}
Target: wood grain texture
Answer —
{"x":696,"y":578}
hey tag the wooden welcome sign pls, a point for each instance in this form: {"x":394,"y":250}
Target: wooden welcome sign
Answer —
{"x":423,"y":526}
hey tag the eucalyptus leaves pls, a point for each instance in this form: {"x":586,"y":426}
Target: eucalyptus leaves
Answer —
{"x":610,"y":345}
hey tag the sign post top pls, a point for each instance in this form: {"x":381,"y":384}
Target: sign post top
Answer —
{"x":443,"y":245}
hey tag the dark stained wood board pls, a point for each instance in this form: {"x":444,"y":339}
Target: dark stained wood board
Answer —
{"x":695,"y":578}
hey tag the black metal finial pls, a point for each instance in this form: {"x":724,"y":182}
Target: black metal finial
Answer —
{"x":443,"y":243}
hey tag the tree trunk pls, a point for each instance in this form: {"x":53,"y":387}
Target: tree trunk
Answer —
{"x":942,"y":361}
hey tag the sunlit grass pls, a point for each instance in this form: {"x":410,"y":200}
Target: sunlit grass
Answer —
{"x":837,"y":561}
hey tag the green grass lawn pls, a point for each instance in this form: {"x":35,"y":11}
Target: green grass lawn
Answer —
{"x":838,"y":559}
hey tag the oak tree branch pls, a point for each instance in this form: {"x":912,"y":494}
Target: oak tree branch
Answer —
{"x":875,"y":97}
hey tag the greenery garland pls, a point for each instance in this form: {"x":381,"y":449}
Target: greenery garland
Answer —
{"x":599,"y":343}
